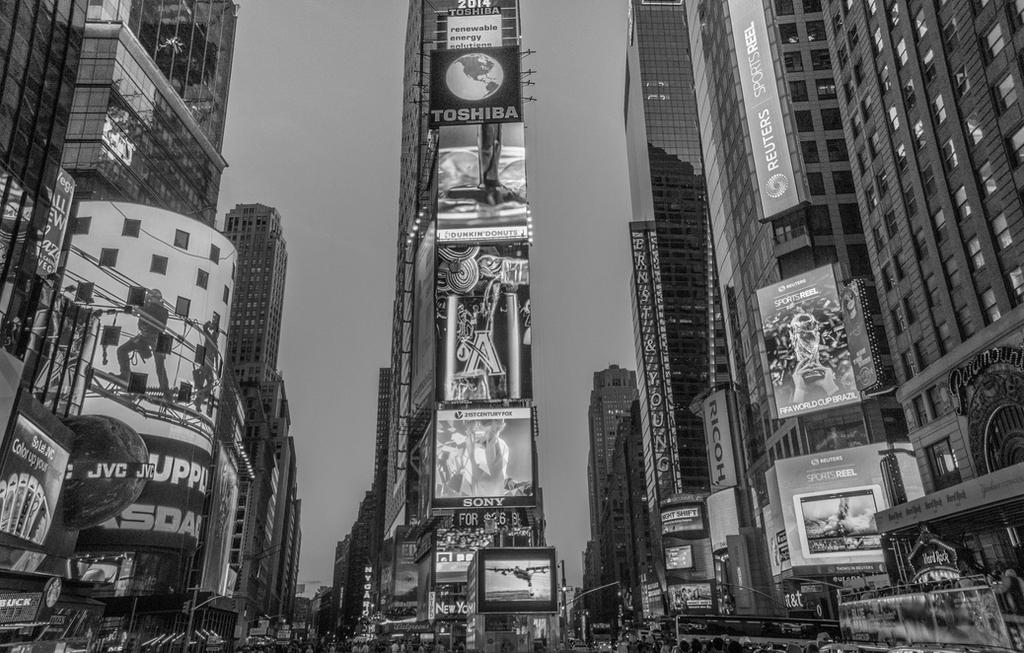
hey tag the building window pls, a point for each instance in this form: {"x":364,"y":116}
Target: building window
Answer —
{"x":949,"y":157}
{"x":842,"y":181}
{"x":158,"y":264}
{"x":816,"y":183}
{"x":784,"y":7}
{"x":898,"y":321}
{"x":901,"y":157}
{"x":986,"y":179}
{"x":227,"y":294}
{"x":182,"y":306}
{"x":830,"y":119}
{"x":952,"y":272}
{"x":849,"y":216}
{"x":920,"y":414}
{"x":994,"y":41}
{"x":815,"y":30}
{"x":820,"y":60}
{"x":974,"y":251}
{"x":909,"y":365}
{"x":963,"y":82}
{"x":945,"y":337}
{"x":81,"y":225}
{"x":181,"y":239}
{"x":798,"y":91}
{"x":826,"y":89}
{"x":1001,"y":231}
{"x":963,"y":206}
{"x":920,"y":25}
{"x":891,"y":226}
{"x":943,"y":465}
{"x":809,"y":149}
{"x":837,"y":150}
{"x":792,"y":62}
{"x":1016,"y":146}
{"x":215,"y":253}
{"x":928,"y":65}
{"x":1006,"y":93}
{"x":939,"y":108}
{"x":131,"y":228}
{"x":919,"y":138}
{"x":901,"y":52}
{"x":928,"y":181}
{"x":804,"y":121}
{"x":1018,"y":12}
{"x":989,"y":306}
{"x":879,"y":42}
{"x":202,"y":278}
{"x":788,"y":33}
{"x":951,"y":34}
{"x":1016,"y":279}
{"x":108,"y":258}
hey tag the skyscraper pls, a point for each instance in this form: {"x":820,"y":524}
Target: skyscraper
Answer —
{"x":256,"y":232}
{"x":150,"y":103}
{"x":783,"y":210}
{"x":672,"y":305}
{"x":934,"y":122}
{"x":610,"y":399}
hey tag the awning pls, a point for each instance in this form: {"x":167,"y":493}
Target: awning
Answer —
{"x":995,"y":500}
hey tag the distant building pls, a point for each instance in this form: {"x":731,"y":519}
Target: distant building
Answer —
{"x":610,"y":399}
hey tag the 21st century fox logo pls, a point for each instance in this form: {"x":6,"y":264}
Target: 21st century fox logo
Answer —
{"x":482,"y":414}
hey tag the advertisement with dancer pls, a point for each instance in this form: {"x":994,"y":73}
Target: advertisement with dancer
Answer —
{"x":483,"y":322}
{"x":484,"y":457}
{"x":808,"y":358}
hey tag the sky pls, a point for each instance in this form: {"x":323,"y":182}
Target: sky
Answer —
{"x":314,"y":129}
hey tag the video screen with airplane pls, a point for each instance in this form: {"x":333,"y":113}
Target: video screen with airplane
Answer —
{"x":517,"y":580}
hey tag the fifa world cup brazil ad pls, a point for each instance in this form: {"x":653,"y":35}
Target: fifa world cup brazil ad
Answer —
{"x":475,"y":85}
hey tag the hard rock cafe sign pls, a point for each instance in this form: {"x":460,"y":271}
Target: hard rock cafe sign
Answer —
{"x":961,"y":378}
{"x":932,"y":559}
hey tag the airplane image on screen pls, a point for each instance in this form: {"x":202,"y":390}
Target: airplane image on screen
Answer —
{"x":520,"y":573}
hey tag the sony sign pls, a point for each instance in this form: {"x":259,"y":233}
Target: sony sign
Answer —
{"x":718,"y":433}
{"x":778,"y":186}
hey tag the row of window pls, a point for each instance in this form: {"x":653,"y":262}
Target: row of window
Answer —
{"x":132,"y":228}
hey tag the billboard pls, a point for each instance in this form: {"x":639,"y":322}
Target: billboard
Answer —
{"x":56,"y":223}
{"x":723,"y":517}
{"x":862,"y":335}
{"x":808,"y":358}
{"x":406,"y":576}
{"x":779,"y":187}
{"x":694,"y":598}
{"x":655,"y":387}
{"x":679,"y":557}
{"x":220,"y":524}
{"x":718,"y":433}
{"x":454,"y":550}
{"x":483,"y":458}
{"x":516,"y":580}
{"x":483,"y":322}
{"x":424,"y":309}
{"x":477,"y":30}
{"x":682,"y":518}
{"x":828,"y":503}
{"x":169,"y":512}
{"x":475,"y":85}
{"x":481,"y":183}
{"x":163,"y":284}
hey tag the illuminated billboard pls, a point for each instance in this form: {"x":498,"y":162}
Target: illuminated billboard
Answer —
{"x":652,"y":352}
{"x":422,"y":382}
{"x":482,"y":29}
{"x":516,"y":580}
{"x":475,"y":85}
{"x":828,"y":503}
{"x":779,"y":186}
{"x":718,"y":433}
{"x":808,"y":359}
{"x":56,"y":223}
{"x":682,"y":518}
{"x":484,"y":457}
{"x":483,"y":322}
{"x":220,"y":524}
{"x":163,"y":282}
{"x":679,"y":557}
{"x":481,"y":184}
{"x":864,"y":340}
{"x":691,"y":598}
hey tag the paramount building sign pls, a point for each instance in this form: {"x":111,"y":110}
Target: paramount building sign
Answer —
{"x":961,"y":379}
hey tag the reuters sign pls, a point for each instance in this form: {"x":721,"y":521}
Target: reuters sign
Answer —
{"x":475,"y":85}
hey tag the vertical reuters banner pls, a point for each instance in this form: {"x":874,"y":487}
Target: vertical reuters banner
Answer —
{"x":779,"y":187}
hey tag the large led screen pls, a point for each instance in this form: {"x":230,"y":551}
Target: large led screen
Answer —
{"x":805,"y":343}
{"x":828,"y":503}
{"x":221,"y":524}
{"x":691,"y":597}
{"x":483,"y":322}
{"x":516,"y":580}
{"x":484,"y":457}
{"x":475,"y":85}
{"x":481,"y":183}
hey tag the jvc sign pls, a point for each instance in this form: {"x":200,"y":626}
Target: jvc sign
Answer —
{"x":718,"y":434}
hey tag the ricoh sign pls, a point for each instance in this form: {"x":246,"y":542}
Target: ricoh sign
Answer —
{"x":718,"y":434}
{"x":778,"y":185}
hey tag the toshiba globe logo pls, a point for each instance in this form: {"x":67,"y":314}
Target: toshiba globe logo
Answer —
{"x":777,"y":185}
{"x":474,"y":77}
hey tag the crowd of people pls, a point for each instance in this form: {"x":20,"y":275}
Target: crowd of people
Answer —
{"x":714,"y":645}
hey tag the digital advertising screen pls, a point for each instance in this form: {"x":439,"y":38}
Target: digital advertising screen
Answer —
{"x":859,"y":302}
{"x":475,"y":85}
{"x":162,"y":292}
{"x":484,"y":458}
{"x":682,"y":518}
{"x":484,"y":323}
{"x":481,"y":183}
{"x":516,"y":580}
{"x":691,"y":597}
{"x":808,"y":358}
{"x":221,"y":523}
{"x":828,"y":503}
{"x":679,"y":557}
